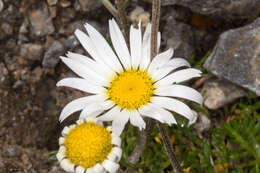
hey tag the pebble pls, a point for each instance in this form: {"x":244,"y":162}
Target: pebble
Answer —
{"x":52,"y":2}
{"x":1,"y":5}
{"x":65,"y":3}
{"x":13,"y":151}
{"x":217,"y":93}
{"x":41,"y":21}
{"x":31,"y":51}
{"x":90,"y":5}
{"x":51,"y":56}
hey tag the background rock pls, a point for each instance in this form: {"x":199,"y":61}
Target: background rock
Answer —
{"x":217,"y":93}
{"x":41,"y":22}
{"x":90,"y":5}
{"x":236,"y":57}
{"x":225,"y":9}
{"x":51,"y":56}
{"x":178,"y":36}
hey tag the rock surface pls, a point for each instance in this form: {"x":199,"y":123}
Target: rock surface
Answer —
{"x":90,"y":5}
{"x":226,"y":9}
{"x":217,"y":93}
{"x":51,"y":56}
{"x":41,"y":22}
{"x":236,"y":57}
{"x":178,"y":36}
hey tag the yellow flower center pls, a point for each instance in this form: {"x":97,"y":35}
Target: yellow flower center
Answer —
{"x":88,"y":144}
{"x":131,"y":89}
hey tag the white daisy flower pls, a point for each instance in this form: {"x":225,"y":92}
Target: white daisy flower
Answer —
{"x":128,"y":85}
{"x":88,"y":147}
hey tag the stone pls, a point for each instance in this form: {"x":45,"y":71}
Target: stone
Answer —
{"x":138,"y":14}
{"x":13,"y":151}
{"x":31,"y":51}
{"x":180,"y":37}
{"x":65,"y":3}
{"x":41,"y":21}
{"x":236,"y":57}
{"x":4,"y":75}
{"x":52,"y":2}
{"x":217,"y":93}
{"x":51,"y":56}
{"x":90,"y":5}
{"x":227,"y":10}
{"x":202,"y":125}
{"x":7,"y":28}
{"x":1,"y":5}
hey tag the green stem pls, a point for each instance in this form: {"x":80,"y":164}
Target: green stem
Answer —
{"x":168,"y":148}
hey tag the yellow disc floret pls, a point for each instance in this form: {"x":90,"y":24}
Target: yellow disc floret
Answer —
{"x":88,"y":144}
{"x":131,"y":89}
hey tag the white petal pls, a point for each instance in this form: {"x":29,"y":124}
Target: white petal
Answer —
{"x":116,"y":140}
{"x":61,"y":140}
{"x":136,"y":45}
{"x":88,"y":44}
{"x":80,"y":84}
{"x":110,"y":166}
{"x":158,"y":113}
{"x":159,"y":60}
{"x":158,"y":41}
{"x":91,"y":110}
{"x":120,"y":121}
{"x":99,"y":68}
{"x":110,"y":115}
{"x":137,"y":120}
{"x":179,"y":76}
{"x":150,"y":111}
{"x":174,"y":105}
{"x":160,"y":73}
{"x":118,"y":152}
{"x":103,"y":49}
{"x":80,"y":169}
{"x":98,"y":168}
{"x":95,"y":109}
{"x":146,"y":48}
{"x":119,"y":44}
{"x":90,"y":170}
{"x":81,"y":69}
{"x":78,"y":104}
{"x":180,"y":91}
{"x":176,"y":63}
{"x":67,"y":166}
{"x":112,"y":157}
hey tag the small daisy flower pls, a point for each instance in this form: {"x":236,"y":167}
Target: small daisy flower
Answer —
{"x":126,"y":85}
{"x":88,"y":147}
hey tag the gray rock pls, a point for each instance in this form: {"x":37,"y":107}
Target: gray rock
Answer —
{"x":202,"y":125}
{"x":226,"y":9}
{"x":7,"y":28}
{"x":179,"y":36}
{"x":41,"y":21}
{"x":90,"y":5}
{"x":4,"y":75}
{"x":236,"y":57}
{"x":13,"y":151}
{"x":217,"y":93}
{"x":1,"y":5}
{"x":51,"y":57}
{"x":52,"y":2}
{"x":31,"y":51}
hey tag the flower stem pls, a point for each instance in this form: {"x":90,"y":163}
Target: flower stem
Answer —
{"x":168,"y":148}
{"x":140,"y":146}
{"x":123,"y":18}
{"x":155,"y":26}
{"x":110,"y":8}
